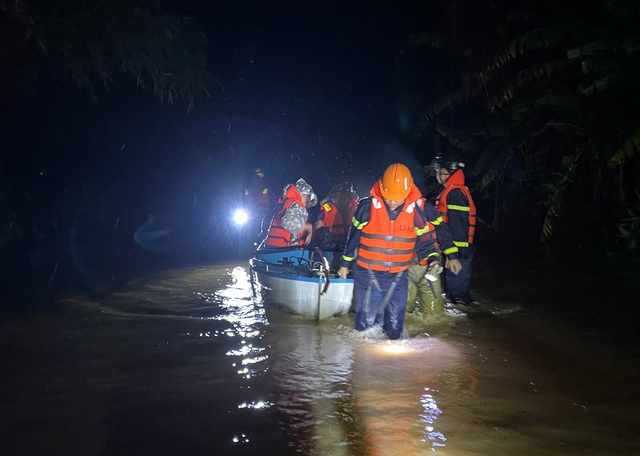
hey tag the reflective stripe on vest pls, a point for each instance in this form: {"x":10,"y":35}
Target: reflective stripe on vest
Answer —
{"x":443,"y":208}
{"x":333,"y":220}
{"x":385,"y":244}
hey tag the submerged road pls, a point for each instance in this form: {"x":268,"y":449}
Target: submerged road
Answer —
{"x":189,"y":362}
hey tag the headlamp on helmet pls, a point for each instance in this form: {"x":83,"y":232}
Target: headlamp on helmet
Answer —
{"x":448,"y":162}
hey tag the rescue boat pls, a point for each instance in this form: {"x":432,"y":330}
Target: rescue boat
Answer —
{"x":301,"y":281}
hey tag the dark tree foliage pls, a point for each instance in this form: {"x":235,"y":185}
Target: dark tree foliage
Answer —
{"x":46,"y":45}
{"x":544,"y":106}
{"x":91,"y":41}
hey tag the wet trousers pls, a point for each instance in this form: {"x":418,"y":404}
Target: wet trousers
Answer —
{"x":457,"y":286}
{"x":428,"y":295}
{"x":371,"y":287}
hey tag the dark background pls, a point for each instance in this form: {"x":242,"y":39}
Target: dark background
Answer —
{"x":301,"y":90}
{"x":104,"y":184}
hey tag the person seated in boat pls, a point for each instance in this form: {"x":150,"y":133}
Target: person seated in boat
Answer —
{"x":386,"y":228}
{"x":290,"y":226}
{"x":334,"y":219}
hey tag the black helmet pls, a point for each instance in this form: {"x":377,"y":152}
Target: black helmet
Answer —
{"x":347,"y":187}
{"x":450,"y":162}
{"x":343,"y":187}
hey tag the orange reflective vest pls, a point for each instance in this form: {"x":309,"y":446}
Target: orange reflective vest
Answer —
{"x":333,"y":219}
{"x":277,"y":235}
{"x":456,"y":180}
{"x":385,"y":244}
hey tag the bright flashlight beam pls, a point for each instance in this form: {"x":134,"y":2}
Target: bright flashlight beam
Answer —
{"x":240,"y":217}
{"x":393,"y":349}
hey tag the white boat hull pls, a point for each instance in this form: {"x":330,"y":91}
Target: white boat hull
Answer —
{"x":304,"y":295}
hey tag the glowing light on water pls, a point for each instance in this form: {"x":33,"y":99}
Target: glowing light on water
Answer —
{"x":254,"y":360}
{"x":238,"y":291}
{"x":256,"y":405}
{"x":244,"y":351}
{"x":240,"y":311}
{"x":392,"y":348}
{"x":429,"y":417}
{"x":407,"y":347}
{"x":237,"y":300}
{"x":241,"y":439}
{"x":397,"y":406}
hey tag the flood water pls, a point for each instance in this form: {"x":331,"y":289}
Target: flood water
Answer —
{"x":188,"y":362}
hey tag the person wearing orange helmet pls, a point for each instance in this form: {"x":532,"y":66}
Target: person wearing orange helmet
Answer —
{"x":389,"y":227}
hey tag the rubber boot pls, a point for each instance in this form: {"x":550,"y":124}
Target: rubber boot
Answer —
{"x":414,"y":276}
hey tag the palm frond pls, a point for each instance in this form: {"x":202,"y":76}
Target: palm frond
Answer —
{"x":556,"y":192}
{"x":540,"y":38}
{"x":628,"y":150}
{"x":435,"y":109}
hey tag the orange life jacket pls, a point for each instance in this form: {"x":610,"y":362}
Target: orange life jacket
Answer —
{"x":333,"y":219}
{"x":277,"y":235}
{"x":456,"y":180}
{"x":385,"y":244}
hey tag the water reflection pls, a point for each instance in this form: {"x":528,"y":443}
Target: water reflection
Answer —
{"x":342,"y":394}
{"x":421,"y":370}
{"x":312,"y":370}
{"x":248,"y":319}
{"x":429,"y":417}
{"x":188,"y":362}
{"x":221,"y":316}
{"x":396,"y":384}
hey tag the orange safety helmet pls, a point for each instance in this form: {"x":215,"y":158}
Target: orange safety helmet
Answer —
{"x":396,"y":182}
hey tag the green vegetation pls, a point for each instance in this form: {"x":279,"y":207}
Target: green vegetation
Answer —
{"x":544,"y":107}
{"x":91,"y":41}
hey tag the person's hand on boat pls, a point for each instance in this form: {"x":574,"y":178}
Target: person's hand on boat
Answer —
{"x":453,"y":265}
{"x":343,"y":272}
